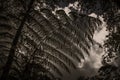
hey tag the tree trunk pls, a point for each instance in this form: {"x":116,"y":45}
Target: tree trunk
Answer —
{"x":11,"y":55}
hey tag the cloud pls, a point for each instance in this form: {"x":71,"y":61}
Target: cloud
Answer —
{"x":100,"y":36}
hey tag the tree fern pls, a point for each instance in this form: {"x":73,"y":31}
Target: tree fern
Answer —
{"x":55,"y":41}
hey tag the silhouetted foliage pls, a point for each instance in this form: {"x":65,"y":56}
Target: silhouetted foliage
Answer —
{"x":109,"y":9}
{"x":33,"y":37}
{"x":37,"y":41}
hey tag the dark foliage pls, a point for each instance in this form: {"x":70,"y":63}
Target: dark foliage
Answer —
{"x":35,"y":44}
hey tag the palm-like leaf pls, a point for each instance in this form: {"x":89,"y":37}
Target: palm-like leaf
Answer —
{"x":59,"y":38}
